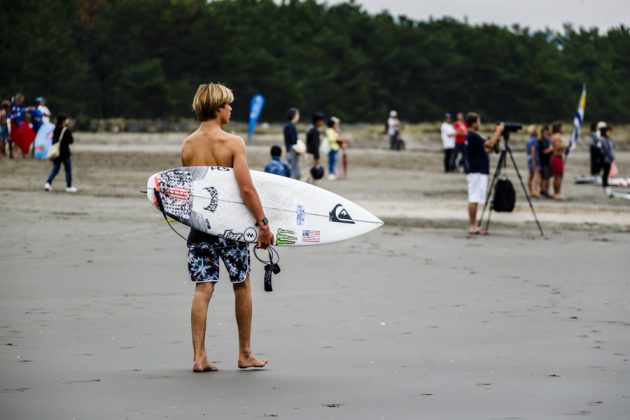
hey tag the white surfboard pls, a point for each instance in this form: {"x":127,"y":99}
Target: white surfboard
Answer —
{"x":208,"y":199}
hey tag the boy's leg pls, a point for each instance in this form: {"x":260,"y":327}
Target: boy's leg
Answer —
{"x":198,"y":317}
{"x":243,"y":309}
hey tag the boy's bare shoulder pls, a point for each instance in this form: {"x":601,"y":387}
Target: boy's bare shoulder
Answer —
{"x":233,"y":140}
{"x":233,"y":137}
{"x":191,"y":139}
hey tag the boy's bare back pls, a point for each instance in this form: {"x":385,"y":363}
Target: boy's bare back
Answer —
{"x":211,"y":147}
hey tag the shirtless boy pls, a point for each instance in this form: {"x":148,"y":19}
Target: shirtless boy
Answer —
{"x":209,"y":145}
{"x":557,"y":160}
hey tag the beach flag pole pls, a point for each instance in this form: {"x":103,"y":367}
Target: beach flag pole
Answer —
{"x":577,"y":123}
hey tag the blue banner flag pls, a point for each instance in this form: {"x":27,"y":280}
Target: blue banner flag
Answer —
{"x":577,"y":123}
{"x":254,"y":112}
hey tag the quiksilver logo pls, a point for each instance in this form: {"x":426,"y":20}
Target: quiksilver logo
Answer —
{"x":340,"y":215}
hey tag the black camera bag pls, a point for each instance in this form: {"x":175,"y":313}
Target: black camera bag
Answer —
{"x":504,"y":196}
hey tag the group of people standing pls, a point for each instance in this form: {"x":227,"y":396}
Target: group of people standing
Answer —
{"x":15,"y":116}
{"x":545,"y":160}
{"x":454,"y":142}
{"x":545,"y":154}
{"x":19,"y":125}
{"x":318,"y":143}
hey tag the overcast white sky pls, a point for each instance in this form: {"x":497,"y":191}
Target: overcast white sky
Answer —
{"x":536,"y":14}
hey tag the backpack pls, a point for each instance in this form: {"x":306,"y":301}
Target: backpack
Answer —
{"x":504,"y":196}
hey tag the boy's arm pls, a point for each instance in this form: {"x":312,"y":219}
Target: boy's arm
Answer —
{"x":249,"y":193}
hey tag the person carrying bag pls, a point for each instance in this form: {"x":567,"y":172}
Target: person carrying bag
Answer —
{"x":60,"y":154}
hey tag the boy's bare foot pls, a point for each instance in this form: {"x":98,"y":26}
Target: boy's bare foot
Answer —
{"x":204,"y":366}
{"x":251,"y":362}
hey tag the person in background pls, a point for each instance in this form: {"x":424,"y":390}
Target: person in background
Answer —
{"x":544,"y":154}
{"x":460,"y":142}
{"x":43,"y":109}
{"x":447,"y":132}
{"x":313,"y":140}
{"x":276,"y":166}
{"x":290,"y":140}
{"x":557,"y":159}
{"x":533,"y":162}
{"x":63,"y":135}
{"x":478,"y":167}
{"x":332,"y":136}
{"x":342,"y":153}
{"x":595,"y":148}
{"x":36,"y":119}
{"x":393,"y":130}
{"x":4,"y":128}
{"x":17,"y":116}
{"x":608,"y":154}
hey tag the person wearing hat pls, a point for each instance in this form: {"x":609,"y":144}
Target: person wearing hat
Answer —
{"x":595,"y":147}
{"x":43,"y":109}
{"x":448,"y":143}
{"x":393,"y":130}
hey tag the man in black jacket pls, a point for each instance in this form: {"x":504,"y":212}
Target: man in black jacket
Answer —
{"x":312,"y":144}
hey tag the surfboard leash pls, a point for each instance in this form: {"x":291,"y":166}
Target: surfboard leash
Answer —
{"x":271,"y":267}
{"x":158,"y":198}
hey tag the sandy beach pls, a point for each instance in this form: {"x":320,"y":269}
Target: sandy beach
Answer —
{"x":416,"y":320}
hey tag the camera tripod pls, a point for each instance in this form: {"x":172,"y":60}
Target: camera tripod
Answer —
{"x":502,"y":164}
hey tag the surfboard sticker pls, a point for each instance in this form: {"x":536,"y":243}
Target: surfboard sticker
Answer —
{"x":176,"y":194}
{"x":248,"y":235}
{"x":214,"y":199}
{"x":285,"y":237}
{"x":310,"y":236}
{"x":340,"y":215}
{"x":300,"y":216}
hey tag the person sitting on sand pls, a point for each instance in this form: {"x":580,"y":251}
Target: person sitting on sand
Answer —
{"x":209,"y":145}
{"x":276,"y":166}
{"x":478,"y":167}
{"x":557,"y":159}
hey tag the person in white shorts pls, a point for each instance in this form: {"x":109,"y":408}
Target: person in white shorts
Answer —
{"x":477,"y":167}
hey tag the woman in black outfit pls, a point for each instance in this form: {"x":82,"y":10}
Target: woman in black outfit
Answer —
{"x":62,"y":134}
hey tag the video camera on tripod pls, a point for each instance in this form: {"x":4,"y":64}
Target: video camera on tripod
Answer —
{"x":508,"y":127}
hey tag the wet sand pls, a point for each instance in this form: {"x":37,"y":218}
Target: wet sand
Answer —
{"x":403,"y":323}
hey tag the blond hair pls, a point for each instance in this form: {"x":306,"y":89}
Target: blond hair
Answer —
{"x":532,"y":130}
{"x":209,"y":98}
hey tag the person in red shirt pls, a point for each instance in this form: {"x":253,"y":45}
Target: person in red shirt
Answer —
{"x":460,"y":142}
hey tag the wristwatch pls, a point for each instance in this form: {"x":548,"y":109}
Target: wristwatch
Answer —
{"x":263,"y":222}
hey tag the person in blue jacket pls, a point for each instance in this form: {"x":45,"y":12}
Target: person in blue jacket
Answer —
{"x":276,"y":166}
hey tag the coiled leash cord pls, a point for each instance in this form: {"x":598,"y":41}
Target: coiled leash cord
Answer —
{"x":271,"y":265}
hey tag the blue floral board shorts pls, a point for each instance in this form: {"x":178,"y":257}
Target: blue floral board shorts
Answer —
{"x":203,"y":260}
